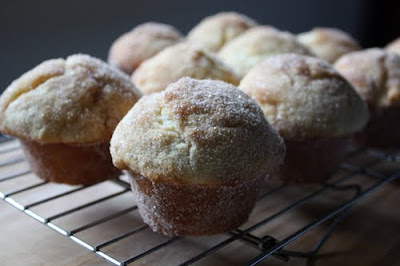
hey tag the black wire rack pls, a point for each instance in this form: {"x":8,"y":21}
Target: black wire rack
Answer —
{"x":363,"y":171}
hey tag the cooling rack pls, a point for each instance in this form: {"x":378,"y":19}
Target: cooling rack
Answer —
{"x":362,"y":172}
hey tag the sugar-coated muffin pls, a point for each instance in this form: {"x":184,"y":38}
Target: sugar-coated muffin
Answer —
{"x":375,"y":74}
{"x":257,"y":43}
{"x":328,"y":43}
{"x":142,"y":42}
{"x":197,"y":153}
{"x":312,"y":107}
{"x":215,"y":31}
{"x":64,"y":112}
{"x":394,"y":46}
{"x":178,"y":61}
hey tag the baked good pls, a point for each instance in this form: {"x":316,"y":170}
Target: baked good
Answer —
{"x":328,"y":43}
{"x":178,"y":61}
{"x":394,"y":46}
{"x":64,"y":112}
{"x":197,"y":154}
{"x":375,"y":74}
{"x":312,"y":107}
{"x":257,"y":43}
{"x":215,"y":31}
{"x":142,"y":42}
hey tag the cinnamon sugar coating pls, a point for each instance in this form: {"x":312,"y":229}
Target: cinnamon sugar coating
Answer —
{"x":375,"y":74}
{"x":194,"y":209}
{"x":142,"y":42}
{"x":178,"y":61}
{"x":77,"y":100}
{"x":257,"y":43}
{"x":215,"y":31}
{"x":304,"y":97}
{"x":197,"y":131}
{"x":328,"y":43}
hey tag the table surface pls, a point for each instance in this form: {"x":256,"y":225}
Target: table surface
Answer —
{"x":369,"y":235}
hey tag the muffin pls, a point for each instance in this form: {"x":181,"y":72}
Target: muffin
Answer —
{"x":215,"y":31}
{"x":197,"y":154}
{"x":394,"y":46}
{"x":257,"y":43}
{"x":179,"y":61}
{"x":312,"y":107}
{"x":64,"y":113}
{"x":328,"y":43}
{"x":375,"y":74}
{"x":142,"y":42}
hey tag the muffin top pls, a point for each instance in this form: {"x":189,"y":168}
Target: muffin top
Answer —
{"x":214,"y":31}
{"x":304,"y":97}
{"x":394,"y":46}
{"x":77,"y":100}
{"x":142,"y":42}
{"x":178,"y":61}
{"x":328,"y":43}
{"x":375,"y":74}
{"x":246,"y":50}
{"x":197,"y":131}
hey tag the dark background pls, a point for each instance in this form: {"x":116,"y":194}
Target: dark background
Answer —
{"x":33,"y":31}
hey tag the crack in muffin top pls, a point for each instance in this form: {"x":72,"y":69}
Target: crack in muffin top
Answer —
{"x":199,"y":131}
{"x":213,"y":32}
{"x":257,"y":43}
{"x":305,"y":97}
{"x":77,"y":100}
{"x":178,"y":61}
{"x":142,"y":42}
{"x":328,"y":43}
{"x":375,"y":74}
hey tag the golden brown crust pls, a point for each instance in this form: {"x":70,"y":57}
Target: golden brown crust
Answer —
{"x":394,"y":46}
{"x":175,"y":62}
{"x":77,"y":100}
{"x":304,"y":97}
{"x":70,"y":164}
{"x":311,"y":161}
{"x":375,"y":74}
{"x":215,"y":31}
{"x":142,"y":42}
{"x":196,"y":131}
{"x":257,"y":43}
{"x":328,"y":43}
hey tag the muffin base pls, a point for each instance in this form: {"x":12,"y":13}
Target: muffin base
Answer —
{"x":382,"y":130}
{"x":310,"y":161}
{"x":70,"y":164}
{"x":194,"y":209}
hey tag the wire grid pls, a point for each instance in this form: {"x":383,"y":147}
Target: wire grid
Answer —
{"x":266,"y":245}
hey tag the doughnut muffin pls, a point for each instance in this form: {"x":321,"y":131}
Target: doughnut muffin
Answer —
{"x":257,"y":43}
{"x":197,"y":153}
{"x":64,"y":112}
{"x":178,"y":61}
{"x":215,"y":31}
{"x":142,"y":42}
{"x":375,"y":74}
{"x":328,"y":43}
{"x":312,"y":107}
{"x":394,"y":46}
